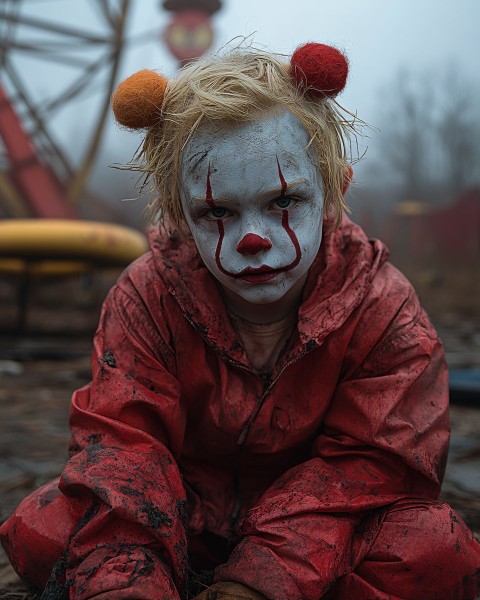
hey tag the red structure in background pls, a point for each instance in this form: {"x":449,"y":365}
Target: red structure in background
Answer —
{"x":456,"y":229}
{"x":189,"y":33}
{"x":35,"y":180}
{"x":450,"y":234}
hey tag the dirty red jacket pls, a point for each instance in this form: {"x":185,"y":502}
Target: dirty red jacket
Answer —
{"x":177,"y":431}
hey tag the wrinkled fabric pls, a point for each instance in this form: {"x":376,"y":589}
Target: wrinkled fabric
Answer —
{"x":419,"y":553}
{"x":178,"y":436}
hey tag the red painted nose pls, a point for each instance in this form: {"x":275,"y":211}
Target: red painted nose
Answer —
{"x":252,"y":244}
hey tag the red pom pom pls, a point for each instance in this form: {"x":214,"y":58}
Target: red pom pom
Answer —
{"x":137,"y":101}
{"x":320,"y":69}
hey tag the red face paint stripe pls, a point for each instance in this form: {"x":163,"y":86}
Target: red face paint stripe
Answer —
{"x":293,"y":237}
{"x":283,"y":183}
{"x":221,"y":234}
{"x":221,"y":229}
{"x":286,"y":226}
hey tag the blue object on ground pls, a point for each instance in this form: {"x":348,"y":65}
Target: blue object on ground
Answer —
{"x":465,"y":386}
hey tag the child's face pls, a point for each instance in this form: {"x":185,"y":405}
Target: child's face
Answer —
{"x":253,"y":199}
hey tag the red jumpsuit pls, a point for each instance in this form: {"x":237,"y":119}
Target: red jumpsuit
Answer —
{"x":319,"y":481}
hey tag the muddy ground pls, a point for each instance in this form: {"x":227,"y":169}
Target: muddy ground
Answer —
{"x":45,"y":358}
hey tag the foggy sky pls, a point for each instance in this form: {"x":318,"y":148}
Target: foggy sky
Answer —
{"x":379,"y":36}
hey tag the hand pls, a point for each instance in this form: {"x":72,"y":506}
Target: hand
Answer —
{"x":229,"y":590}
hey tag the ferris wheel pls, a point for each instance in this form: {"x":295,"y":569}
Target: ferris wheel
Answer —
{"x":54,"y":55}
{"x":40,"y":40}
{"x":71,"y":51}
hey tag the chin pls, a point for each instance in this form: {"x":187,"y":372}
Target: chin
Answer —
{"x":261,"y":297}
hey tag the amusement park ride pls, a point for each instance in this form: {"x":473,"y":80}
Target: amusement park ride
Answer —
{"x":40,"y":187}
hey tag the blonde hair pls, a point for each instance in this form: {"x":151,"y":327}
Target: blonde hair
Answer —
{"x":238,"y":87}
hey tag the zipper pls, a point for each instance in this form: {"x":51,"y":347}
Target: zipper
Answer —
{"x":268,"y":385}
{"x":238,"y":365}
{"x":267,"y":388}
{"x":229,"y":360}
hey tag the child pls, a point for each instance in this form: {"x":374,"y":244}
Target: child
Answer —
{"x":268,"y":411}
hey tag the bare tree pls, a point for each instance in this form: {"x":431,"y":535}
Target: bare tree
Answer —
{"x":458,"y":131}
{"x":429,"y":144}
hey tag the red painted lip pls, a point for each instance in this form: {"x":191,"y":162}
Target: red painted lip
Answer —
{"x":260,"y":275}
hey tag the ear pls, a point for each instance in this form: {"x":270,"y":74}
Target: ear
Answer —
{"x":347,"y":178}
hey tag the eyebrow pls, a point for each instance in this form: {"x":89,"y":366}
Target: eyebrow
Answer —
{"x":271,"y":192}
{"x":289,"y":184}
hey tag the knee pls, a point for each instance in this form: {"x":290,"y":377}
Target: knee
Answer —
{"x":35,"y":535}
{"x":445,"y":544}
{"x":427,"y":548}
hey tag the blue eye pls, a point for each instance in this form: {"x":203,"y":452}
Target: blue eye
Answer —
{"x":217,"y":212}
{"x":283,"y":202}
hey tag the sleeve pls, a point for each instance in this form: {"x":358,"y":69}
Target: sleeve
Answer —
{"x":384,"y":438}
{"x":127,"y":426}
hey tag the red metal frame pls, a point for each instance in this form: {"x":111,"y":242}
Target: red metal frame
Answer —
{"x":34,"y":180}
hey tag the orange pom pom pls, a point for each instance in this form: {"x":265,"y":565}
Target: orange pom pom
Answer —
{"x":138,"y":100}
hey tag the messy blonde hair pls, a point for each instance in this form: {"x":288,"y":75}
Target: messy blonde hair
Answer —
{"x":238,"y":87}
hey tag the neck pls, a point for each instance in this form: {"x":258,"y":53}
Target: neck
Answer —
{"x":264,"y":313}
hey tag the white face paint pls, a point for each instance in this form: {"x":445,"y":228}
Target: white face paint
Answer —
{"x":253,"y":199}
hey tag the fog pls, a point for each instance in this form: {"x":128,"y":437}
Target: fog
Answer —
{"x":400,"y":51}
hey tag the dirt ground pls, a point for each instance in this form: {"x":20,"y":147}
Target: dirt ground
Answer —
{"x":44,"y":362}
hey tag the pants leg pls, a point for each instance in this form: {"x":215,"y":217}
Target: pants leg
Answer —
{"x":424,"y":551}
{"x":36,"y":534}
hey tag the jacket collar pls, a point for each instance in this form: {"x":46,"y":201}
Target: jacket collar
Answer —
{"x":338,"y":282}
